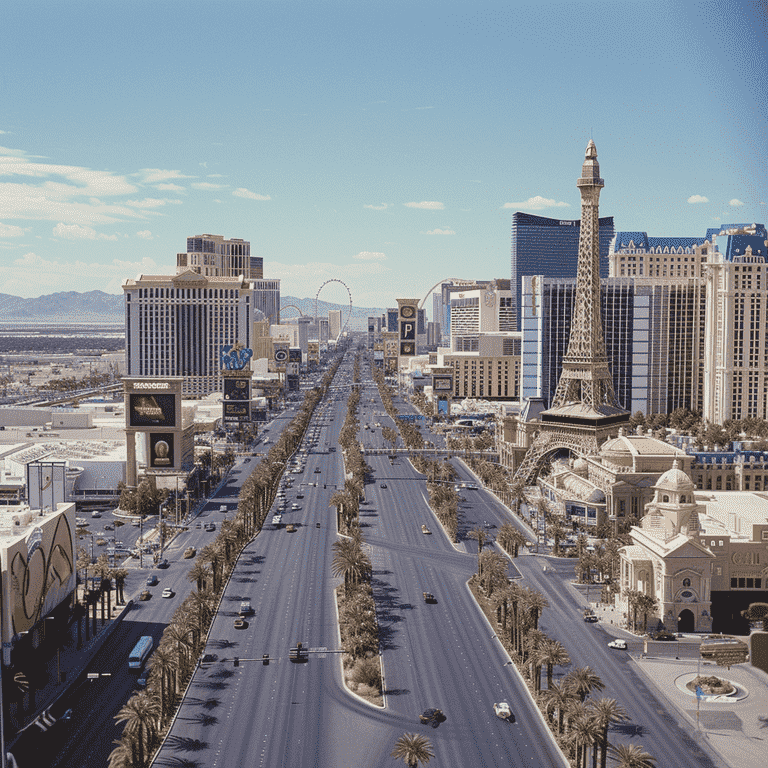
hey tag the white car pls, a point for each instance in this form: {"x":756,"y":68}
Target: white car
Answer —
{"x":167,"y":592}
{"x":502,"y":710}
{"x":617,"y":643}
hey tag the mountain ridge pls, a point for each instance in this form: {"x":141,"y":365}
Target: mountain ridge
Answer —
{"x":94,"y":306}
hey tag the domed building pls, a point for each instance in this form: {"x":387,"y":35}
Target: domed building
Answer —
{"x":667,"y":560}
{"x":614,"y":485}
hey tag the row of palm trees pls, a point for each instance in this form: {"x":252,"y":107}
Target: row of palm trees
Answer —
{"x":580,"y":724}
{"x":409,"y":432}
{"x":147,"y":713}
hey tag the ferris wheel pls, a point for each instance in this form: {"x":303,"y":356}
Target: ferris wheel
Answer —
{"x":349,"y":293}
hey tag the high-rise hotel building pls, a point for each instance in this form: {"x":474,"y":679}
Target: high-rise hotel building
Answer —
{"x":684,"y":321}
{"x":549,"y":247}
{"x":176,"y":324}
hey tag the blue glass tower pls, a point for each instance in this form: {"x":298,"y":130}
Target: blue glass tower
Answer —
{"x":550,"y":247}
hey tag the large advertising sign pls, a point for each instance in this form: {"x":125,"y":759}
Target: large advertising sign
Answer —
{"x":237,"y":389}
{"x":294,"y":355}
{"x":237,"y":411}
{"x":161,"y":445}
{"x":151,"y":410}
{"x":46,"y":484}
{"x":40,"y":568}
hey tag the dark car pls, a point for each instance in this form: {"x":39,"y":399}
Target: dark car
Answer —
{"x":590,"y":618}
{"x":664,"y":635}
{"x":151,"y":580}
{"x":432,"y":716}
{"x":383,"y":485}
{"x":241,"y":624}
{"x":429,"y":597}
{"x":318,"y":470}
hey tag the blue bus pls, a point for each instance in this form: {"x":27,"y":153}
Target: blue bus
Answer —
{"x":140,"y":652}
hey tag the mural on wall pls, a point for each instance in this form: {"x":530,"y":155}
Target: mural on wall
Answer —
{"x":41,"y":572}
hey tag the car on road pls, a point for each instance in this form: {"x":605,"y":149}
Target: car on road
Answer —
{"x":151,"y":580}
{"x":189,"y":552}
{"x":295,"y":506}
{"x":299,"y":495}
{"x":424,"y":529}
{"x":590,"y":618}
{"x":318,"y":470}
{"x":241,"y":623}
{"x":290,"y":528}
{"x":246,"y":609}
{"x":145,"y":595}
{"x":317,"y":525}
{"x":619,"y":644}
{"x":432,"y":716}
{"x":383,"y":485}
{"x":163,"y":563}
{"x":199,"y":525}
{"x":95,"y":513}
{"x":208,"y":658}
{"x":429,"y":597}
{"x":142,"y":681}
{"x":109,"y":527}
{"x":502,"y":710}
{"x":168,"y":592}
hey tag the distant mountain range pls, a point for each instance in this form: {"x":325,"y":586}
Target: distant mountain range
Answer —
{"x":97,"y":306}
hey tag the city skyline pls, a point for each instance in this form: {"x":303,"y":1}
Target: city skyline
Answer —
{"x":387,"y":146}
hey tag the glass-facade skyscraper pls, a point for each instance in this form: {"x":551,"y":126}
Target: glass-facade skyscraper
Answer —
{"x":550,"y":247}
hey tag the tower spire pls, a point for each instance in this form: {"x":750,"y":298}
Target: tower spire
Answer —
{"x":585,"y":377}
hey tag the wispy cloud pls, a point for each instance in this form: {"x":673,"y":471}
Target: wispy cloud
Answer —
{"x":31,"y":270}
{"x":170,"y":188}
{"x":10,"y":230}
{"x":369,"y":256}
{"x":382,"y":207}
{"x":76,"y":232}
{"x":735,"y":203}
{"x":426,"y":205}
{"x":698,"y":199}
{"x":155,"y":175}
{"x":536,"y":203}
{"x":243,"y":192}
{"x":206,"y":185}
{"x":145,"y":234}
{"x":439,"y":232}
{"x":152,"y":202}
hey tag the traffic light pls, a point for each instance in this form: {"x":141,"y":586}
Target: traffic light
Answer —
{"x":237,"y":661}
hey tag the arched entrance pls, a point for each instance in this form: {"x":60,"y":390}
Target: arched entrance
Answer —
{"x":686,"y":621}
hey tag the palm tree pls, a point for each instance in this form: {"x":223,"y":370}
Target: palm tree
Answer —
{"x":646,"y":604}
{"x":413,"y":749}
{"x":553,"y":655}
{"x":535,"y":602}
{"x":163,"y":665}
{"x":140,"y":715}
{"x":494,"y":569}
{"x":607,"y":711}
{"x":583,"y":681}
{"x":583,"y":733}
{"x":480,"y":535}
{"x":632,"y":756}
{"x":559,"y":697}
{"x":350,"y":562}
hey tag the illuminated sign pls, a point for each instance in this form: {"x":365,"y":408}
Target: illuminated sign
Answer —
{"x":161,"y":449}
{"x":442,"y":384}
{"x":237,"y":389}
{"x":152,"y":410}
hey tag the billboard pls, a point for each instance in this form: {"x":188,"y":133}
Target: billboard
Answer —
{"x":46,"y":484}
{"x":156,"y":410}
{"x":259,"y":414}
{"x":237,"y":389}
{"x":40,"y":565}
{"x":237,"y":411}
{"x":442,"y":383}
{"x":294,"y":355}
{"x":161,"y":445}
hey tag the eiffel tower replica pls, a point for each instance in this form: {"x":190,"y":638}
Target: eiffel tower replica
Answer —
{"x":584,"y":411}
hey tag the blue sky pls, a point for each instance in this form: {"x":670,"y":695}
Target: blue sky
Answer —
{"x":385,"y":144}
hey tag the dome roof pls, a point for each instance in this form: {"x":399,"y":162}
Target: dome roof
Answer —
{"x":675,"y":479}
{"x":617,"y":451}
{"x":597,"y":497}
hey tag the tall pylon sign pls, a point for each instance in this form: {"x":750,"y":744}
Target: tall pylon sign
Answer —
{"x":584,"y":411}
{"x":407,"y":312}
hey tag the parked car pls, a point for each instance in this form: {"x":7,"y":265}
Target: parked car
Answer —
{"x":619,"y":644}
{"x":590,"y":618}
{"x":664,"y":635}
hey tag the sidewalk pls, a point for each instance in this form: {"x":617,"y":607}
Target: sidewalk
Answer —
{"x":69,"y":663}
{"x":734,"y":727}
